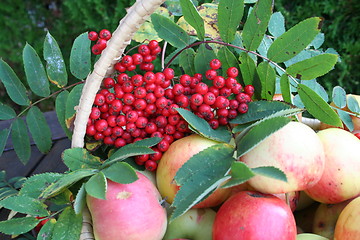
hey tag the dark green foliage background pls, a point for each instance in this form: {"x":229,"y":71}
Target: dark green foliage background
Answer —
{"x":24,"y":21}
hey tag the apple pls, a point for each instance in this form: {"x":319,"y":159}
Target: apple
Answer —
{"x":253,"y":215}
{"x":296,"y":150}
{"x":310,"y":236}
{"x":130,"y":212}
{"x":304,"y":201}
{"x":347,"y":225}
{"x":178,"y":153}
{"x":325,"y":218}
{"x":195,"y":224}
{"x":290,"y":198}
{"x":355,"y":119}
{"x":341,"y":179}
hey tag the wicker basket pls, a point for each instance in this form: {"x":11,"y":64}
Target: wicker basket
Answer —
{"x":104,"y":67}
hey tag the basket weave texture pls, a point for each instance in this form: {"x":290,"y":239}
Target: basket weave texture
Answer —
{"x":104,"y":67}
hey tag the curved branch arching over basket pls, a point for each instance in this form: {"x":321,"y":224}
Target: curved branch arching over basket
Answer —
{"x":121,"y":37}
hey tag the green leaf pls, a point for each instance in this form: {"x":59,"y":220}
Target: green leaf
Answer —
{"x":39,"y":129}
{"x":4,"y":135}
{"x":202,"y":59}
{"x":259,"y":110}
{"x":60,"y":108}
{"x":240,"y":173}
{"x":26,"y":205}
{"x":21,"y":140}
{"x":317,"y":107}
{"x":6,"y":112}
{"x":256,"y":24}
{"x":14,"y":87}
{"x":35,"y":72}
{"x":203,"y":128}
{"x":227,"y":59}
{"x":169,"y":31}
{"x":71,"y":102}
{"x":7,"y":192}
{"x":276,"y":24}
{"x":248,"y":68}
{"x":65,"y":181}
{"x":80,"y":200}
{"x":294,"y":40}
{"x":36,"y":184}
{"x":193,"y":17}
{"x":18,"y":225}
{"x":80,"y":158}
{"x":147,"y":142}
{"x":201,"y":175}
{"x":186,"y":61}
{"x":339,"y":96}
{"x":55,"y":67}
{"x":313,"y":67}
{"x":46,"y":231}
{"x":346,"y":118}
{"x":96,"y":186}
{"x":258,"y":133}
{"x":230,"y":13}
{"x":121,"y":172}
{"x":285,"y":88}
{"x":129,"y":150}
{"x":353,"y":104}
{"x":68,"y":225}
{"x":268,"y":79}
{"x":80,"y":57}
{"x":265,"y":45}
{"x":270,"y":171}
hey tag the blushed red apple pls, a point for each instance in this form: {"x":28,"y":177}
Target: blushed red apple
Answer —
{"x":296,"y":150}
{"x":347,"y":225}
{"x":341,"y":179}
{"x":178,"y":153}
{"x":130,"y":212}
{"x":252,"y":215}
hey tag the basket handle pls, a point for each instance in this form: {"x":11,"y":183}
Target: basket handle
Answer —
{"x":121,"y":37}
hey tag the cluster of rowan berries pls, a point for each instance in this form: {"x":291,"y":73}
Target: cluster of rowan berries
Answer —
{"x":101,"y":39}
{"x":133,"y":106}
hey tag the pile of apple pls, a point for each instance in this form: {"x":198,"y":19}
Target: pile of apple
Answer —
{"x":323,"y":165}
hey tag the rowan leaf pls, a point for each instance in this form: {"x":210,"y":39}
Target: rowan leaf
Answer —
{"x":121,"y":172}
{"x":296,"y":39}
{"x":339,"y":96}
{"x":270,"y":171}
{"x":55,"y":67}
{"x":259,"y":132}
{"x":256,"y":24}
{"x":68,"y":225}
{"x":186,"y":61}
{"x":313,"y":67}
{"x":14,"y":87}
{"x":285,"y":88}
{"x":4,"y":135}
{"x":80,"y":57}
{"x":169,"y":31}
{"x":21,"y":140}
{"x":202,"y":59}
{"x":39,"y":129}
{"x":227,"y":59}
{"x":96,"y":186}
{"x":80,"y":158}
{"x":193,"y":17}
{"x":6,"y":112}
{"x":60,"y":108}
{"x":248,"y":69}
{"x":230,"y":13}
{"x":72,"y":102}
{"x":36,"y":184}
{"x":26,"y":205}
{"x":18,"y":225}
{"x":46,"y":230}
{"x":277,"y":24}
{"x":35,"y":72}
{"x":353,"y":104}
{"x":267,"y":79}
{"x":240,"y":173}
{"x":317,"y":106}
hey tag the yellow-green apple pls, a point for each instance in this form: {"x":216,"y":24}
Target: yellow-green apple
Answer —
{"x":178,"y":153}
{"x":341,"y":179}
{"x":253,"y":215}
{"x":130,"y":212}
{"x":296,"y":150}
{"x":355,"y":119}
{"x":325,"y":218}
{"x":310,"y":236}
{"x":195,"y":224}
{"x":304,"y":201}
{"x":347,"y":225}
